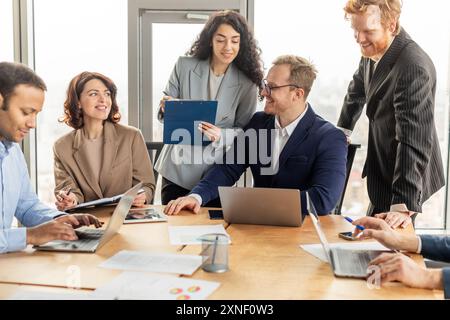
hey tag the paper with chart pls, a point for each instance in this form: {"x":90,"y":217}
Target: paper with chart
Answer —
{"x":153,"y":262}
{"x":142,"y":286}
{"x":317,"y":249}
{"x":189,"y":235}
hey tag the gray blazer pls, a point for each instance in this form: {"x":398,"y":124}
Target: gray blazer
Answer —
{"x":237,"y":99}
{"x":438,"y":248}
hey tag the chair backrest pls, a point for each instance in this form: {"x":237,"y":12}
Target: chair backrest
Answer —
{"x":350,"y":157}
{"x":154,"y":150}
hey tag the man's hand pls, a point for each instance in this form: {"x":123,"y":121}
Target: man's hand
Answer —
{"x":61,"y":228}
{"x":379,"y":230}
{"x":49,"y":231}
{"x":139,"y":201}
{"x":79,"y":220}
{"x":398,"y":267}
{"x":395,"y":219}
{"x":349,"y":139}
{"x":175,"y":206}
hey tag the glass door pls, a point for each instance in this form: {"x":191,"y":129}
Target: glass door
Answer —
{"x":165,"y":37}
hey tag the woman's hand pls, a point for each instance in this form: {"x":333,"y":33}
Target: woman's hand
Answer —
{"x":162,"y":102}
{"x":139,"y":201}
{"x":211,"y":131}
{"x":65,"y":199}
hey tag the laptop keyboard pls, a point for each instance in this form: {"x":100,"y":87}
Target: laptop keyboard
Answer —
{"x":87,"y":239}
{"x":354,"y":262}
{"x":89,"y":234}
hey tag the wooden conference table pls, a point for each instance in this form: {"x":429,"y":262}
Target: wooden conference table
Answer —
{"x":265,"y":263}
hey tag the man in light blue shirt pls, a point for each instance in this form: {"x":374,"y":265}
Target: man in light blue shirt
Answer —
{"x":21,"y":99}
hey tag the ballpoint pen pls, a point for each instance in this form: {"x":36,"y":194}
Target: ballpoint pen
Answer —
{"x":357,"y":226}
{"x":64,"y":192}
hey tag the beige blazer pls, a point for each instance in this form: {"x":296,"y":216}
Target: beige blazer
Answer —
{"x":125,"y":163}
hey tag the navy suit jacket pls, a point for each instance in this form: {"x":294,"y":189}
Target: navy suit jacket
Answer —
{"x":438,"y":248}
{"x":313,"y":160}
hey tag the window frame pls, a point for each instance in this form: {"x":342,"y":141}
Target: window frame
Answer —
{"x":23,"y":28}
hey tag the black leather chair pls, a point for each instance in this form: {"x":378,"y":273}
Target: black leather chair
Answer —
{"x":154,"y":150}
{"x":350,"y":157}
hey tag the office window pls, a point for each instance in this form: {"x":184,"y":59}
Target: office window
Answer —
{"x":320,"y":33}
{"x":6,"y":31}
{"x":72,"y":36}
{"x":434,"y":37}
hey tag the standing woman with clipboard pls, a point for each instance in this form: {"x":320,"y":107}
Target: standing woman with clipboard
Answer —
{"x":223,"y":64}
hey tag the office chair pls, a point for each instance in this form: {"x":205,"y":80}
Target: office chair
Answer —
{"x":154,"y":150}
{"x":350,"y":157}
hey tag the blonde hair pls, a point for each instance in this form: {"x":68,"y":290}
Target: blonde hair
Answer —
{"x":390,"y":10}
{"x":303,"y":72}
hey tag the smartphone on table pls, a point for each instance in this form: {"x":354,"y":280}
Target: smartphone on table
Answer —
{"x":348,"y":236}
{"x":215,"y":214}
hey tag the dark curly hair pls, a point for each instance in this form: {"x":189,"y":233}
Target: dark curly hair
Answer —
{"x":13,"y":75}
{"x":73,"y":115}
{"x":248,"y":59}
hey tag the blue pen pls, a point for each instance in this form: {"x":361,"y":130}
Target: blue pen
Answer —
{"x":357,"y":226}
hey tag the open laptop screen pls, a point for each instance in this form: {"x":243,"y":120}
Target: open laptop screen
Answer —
{"x":119,"y":214}
{"x":316,"y":223}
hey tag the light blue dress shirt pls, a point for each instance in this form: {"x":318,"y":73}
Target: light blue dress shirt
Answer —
{"x":18,"y":199}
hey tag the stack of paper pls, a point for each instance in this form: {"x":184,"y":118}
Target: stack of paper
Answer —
{"x":189,"y":235}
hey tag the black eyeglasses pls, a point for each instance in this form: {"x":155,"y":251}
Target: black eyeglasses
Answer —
{"x":268,"y":88}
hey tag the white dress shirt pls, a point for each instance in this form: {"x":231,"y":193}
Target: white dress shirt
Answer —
{"x":282,"y":136}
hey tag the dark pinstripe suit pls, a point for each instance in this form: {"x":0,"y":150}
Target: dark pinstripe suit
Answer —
{"x":403,"y":162}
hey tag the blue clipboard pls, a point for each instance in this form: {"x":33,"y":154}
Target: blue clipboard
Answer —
{"x":181,"y":120}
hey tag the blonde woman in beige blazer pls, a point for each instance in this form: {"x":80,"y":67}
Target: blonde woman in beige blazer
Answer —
{"x":100,"y":158}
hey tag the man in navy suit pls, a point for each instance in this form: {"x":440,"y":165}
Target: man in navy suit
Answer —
{"x":286,"y":146}
{"x":399,"y":267}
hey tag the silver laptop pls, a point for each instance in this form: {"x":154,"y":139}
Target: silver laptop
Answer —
{"x":267,"y":206}
{"x":344,"y":262}
{"x":89,"y":239}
